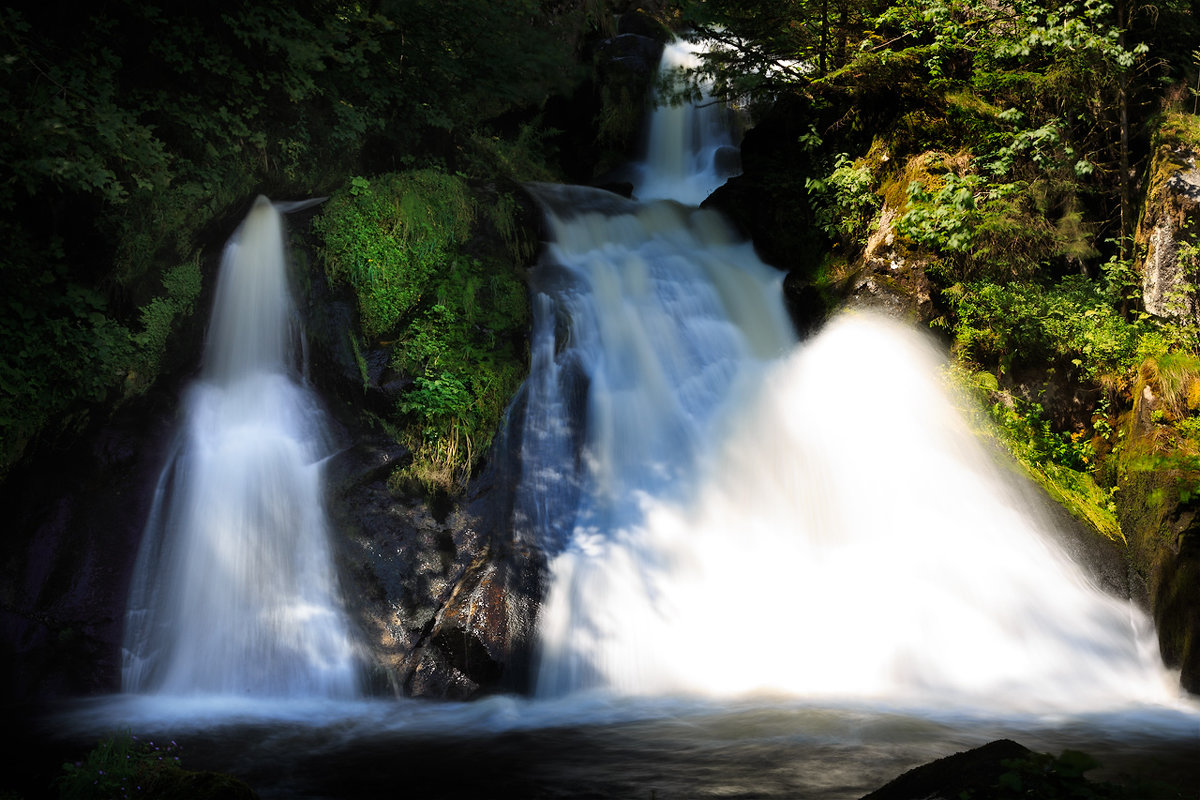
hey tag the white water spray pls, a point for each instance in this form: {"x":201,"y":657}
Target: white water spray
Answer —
{"x":234,"y":591}
{"x":730,"y":518}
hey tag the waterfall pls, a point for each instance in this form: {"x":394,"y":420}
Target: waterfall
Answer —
{"x":234,"y":590}
{"x":690,"y":147}
{"x":729,"y":512}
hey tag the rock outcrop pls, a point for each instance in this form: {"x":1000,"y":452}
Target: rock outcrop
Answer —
{"x":445,"y":602}
{"x":75,"y":520}
{"x":1168,"y":234}
{"x":1159,"y":498}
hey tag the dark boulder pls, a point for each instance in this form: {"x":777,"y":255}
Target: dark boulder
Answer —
{"x":768,"y":201}
{"x":75,"y":519}
{"x":973,"y":773}
{"x":445,"y":603}
{"x":1162,"y":524}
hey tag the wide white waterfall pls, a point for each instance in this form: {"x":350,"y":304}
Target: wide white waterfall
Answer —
{"x":234,"y":590}
{"x":731,"y":512}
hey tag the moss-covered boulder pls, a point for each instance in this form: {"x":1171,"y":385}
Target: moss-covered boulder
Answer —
{"x":435,"y":267}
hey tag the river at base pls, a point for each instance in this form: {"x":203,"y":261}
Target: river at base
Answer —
{"x":598,"y":746}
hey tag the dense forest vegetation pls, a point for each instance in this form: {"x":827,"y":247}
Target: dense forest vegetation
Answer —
{"x":1002,"y":149}
{"x":136,"y":136}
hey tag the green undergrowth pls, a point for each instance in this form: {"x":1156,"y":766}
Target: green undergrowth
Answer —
{"x":1049,"y":777}
{"x":1070,"y":324}
{"x":437,"y":273}
{"x":66,"y":350}
{"x":1072,"y":332}
{"x":1064,"y":465}
{"x":124,"y":766}
{"x":1164,"y":439}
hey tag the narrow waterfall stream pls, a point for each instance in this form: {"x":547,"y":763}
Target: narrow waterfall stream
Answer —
{"x":736,"y":516}
{"x":234,"y":590}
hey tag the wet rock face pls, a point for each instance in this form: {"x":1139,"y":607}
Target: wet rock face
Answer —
{"x":445,"y":606}
{"x":768,"y":202}
{"x":891,"y":276}
{"x":1163,"y":531}
{"x":75,"y":519}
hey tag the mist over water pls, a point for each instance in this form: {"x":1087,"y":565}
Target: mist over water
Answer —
{"x":234,"y":590}
{"x":846,"y":538}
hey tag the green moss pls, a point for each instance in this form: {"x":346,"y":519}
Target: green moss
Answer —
{"x":1178,"y":128}
{"x":123,"y":766}
{"x":447,"y":299}
{"x":388,"y":238}
{"x":1079,"y":493}
{"x":969,"y":102}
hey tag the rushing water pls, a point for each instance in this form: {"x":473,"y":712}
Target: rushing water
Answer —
{"x":234,"y":590}
{"x":690,"y":147}
{"x":779,"y":570}
{"x":736,"y":514}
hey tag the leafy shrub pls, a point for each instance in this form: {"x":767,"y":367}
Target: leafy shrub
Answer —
{"x":1070,"y":323}
{"x":844,"y":201}
{"x":944,"y":219}
{"x":65,"y":349}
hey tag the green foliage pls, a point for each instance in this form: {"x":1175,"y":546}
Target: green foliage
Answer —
{"x":389,"y":237}
{"x":1034,"y":439}
{"x":944,"y":220}
{"x":182,"y":285}
{"x":945,"y":28}
{"x":1064,"y":777}
{"x":1044,"y":776}
{"x":844,"y":201}
{"x":65,"y":351}
{"x":762,"y":47}
{"x":1064,"y":465}
{"x":1071,"y":324}
{"x":520,"y":158}
{"x":456,"y":321}
{"x":121,"y":766}
{"x":130,"y":126}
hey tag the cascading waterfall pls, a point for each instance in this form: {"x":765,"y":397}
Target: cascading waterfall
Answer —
{"x":731,"y":513}
{"x":234,"y":590}
{"x":690,"y":147}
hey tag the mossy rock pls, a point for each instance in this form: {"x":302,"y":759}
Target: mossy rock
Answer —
{"x":1169,"y":227}
{"x":437,"y":268}
{"x":1159,"y":510}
